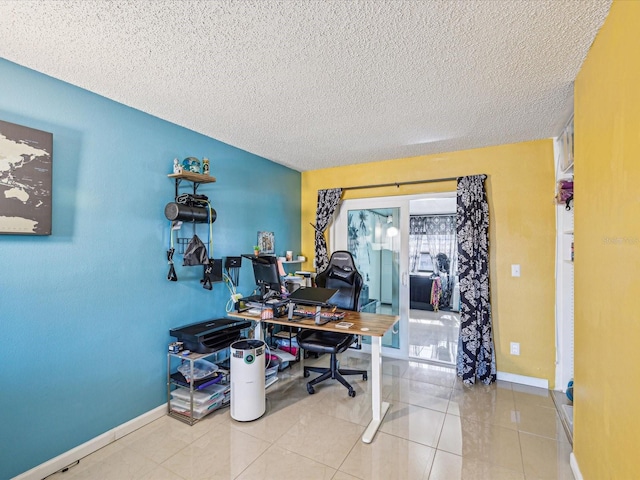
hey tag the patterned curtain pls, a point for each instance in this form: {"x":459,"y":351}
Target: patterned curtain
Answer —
{"x":328,"y":201}
{"x":476,"y":353}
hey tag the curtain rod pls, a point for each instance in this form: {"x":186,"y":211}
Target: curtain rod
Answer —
{"x":397,"y":184}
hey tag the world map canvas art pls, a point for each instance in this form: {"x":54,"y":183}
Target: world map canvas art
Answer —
{"x":26,"y":157}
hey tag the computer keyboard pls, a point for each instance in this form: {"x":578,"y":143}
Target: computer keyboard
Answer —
{"x":325,"y":315}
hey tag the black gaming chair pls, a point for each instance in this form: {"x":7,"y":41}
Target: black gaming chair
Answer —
{"x":341,"y":273}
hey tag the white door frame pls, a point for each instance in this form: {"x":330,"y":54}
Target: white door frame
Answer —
{"x":338,"y":241}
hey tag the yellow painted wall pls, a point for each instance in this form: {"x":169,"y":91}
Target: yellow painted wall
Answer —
{"x":607,"y":250}
{"x":520,"y":188}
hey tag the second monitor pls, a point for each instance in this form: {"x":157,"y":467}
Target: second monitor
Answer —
{"x":267,"y":274}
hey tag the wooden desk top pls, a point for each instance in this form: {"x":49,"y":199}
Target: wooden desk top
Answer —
{"x":376,"y":323}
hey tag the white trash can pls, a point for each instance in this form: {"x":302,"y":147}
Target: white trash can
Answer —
{"x":247,"y":380}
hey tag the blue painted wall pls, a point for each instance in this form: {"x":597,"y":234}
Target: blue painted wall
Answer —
{"x":85,"y":313}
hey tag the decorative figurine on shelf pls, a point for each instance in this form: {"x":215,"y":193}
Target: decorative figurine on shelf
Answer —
{"x":205,"y":166}
{"x":195,"y":165}
{"x":177,"y":168}
{"x":191,"y":164}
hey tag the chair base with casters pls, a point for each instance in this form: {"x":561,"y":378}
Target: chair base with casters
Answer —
{"x":319,"y":341}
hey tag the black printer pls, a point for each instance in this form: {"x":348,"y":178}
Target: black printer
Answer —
{"x":210,"y":335}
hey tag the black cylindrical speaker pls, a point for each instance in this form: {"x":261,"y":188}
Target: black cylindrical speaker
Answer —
{"x":177,"y":211}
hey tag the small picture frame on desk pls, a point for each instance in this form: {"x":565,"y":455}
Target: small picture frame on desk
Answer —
{"x":266,"y":242}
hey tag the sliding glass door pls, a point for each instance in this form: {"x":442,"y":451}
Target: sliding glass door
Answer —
{"x":375,"y":231}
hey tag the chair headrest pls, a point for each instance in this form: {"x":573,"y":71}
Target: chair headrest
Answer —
{"x":341,"y":273}
{"x":341,"y":258}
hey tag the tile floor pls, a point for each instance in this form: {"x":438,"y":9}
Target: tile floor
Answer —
{"x":564,"y":406}
{"x":435,"y":429}
{"x":434,"y":335}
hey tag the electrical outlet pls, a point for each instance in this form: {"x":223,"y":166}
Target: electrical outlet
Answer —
{"x":515,"y":348}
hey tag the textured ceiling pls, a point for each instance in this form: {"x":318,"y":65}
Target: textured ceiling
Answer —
{"x":314,"y":84}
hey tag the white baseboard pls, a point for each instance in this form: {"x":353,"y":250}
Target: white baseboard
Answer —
{"x":574,"y":467}
{"x":67,"y":458}
{"x":507,"y":377}
{"x":524,"y":380}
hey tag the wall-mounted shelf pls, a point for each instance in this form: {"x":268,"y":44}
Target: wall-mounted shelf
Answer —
{"x":272,"y":255}
{"x":193,"y":177}
{"x":196,"y":178}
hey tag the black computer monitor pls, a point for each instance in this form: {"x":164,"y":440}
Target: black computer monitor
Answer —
{"x":267,"y":273}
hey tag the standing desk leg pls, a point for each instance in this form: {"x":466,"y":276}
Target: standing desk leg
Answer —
{"x":257,"y":333}
{"x":301,"y":356}
{"x":378,"y":407}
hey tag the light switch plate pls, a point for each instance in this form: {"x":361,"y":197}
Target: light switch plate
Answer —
{"x":515,"y":270}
